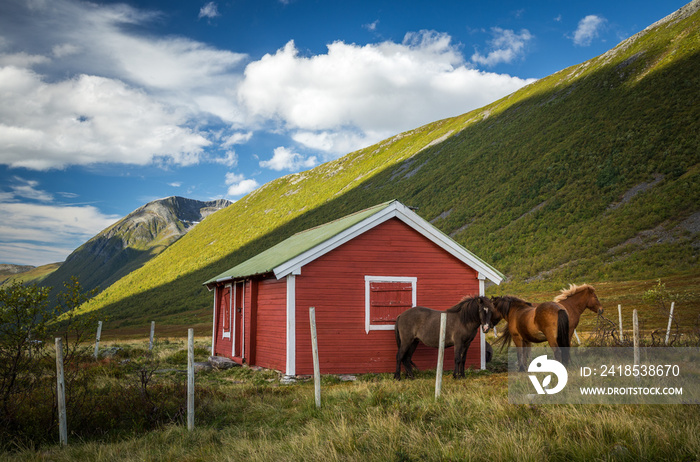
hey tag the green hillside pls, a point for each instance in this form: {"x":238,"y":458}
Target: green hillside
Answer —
{"x":591,"y":174}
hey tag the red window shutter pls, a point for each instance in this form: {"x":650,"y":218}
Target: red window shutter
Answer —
{"x":388,"y":300}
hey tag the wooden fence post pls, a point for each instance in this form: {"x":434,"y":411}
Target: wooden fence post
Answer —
{"x":619,"y":315}
{"x":441,"y":355}
{"x":314,"y":351}
{"x":190,"y":379}
{"x":153,"y":329}
{"x":635,"y":336}
{"x":97,"y":339}
{"x":61,"y":393}
{"x":670,"y":318}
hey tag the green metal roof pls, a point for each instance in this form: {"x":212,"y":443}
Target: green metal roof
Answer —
{"x":295,"y":245}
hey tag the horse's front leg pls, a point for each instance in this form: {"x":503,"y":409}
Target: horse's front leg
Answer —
{"x":463,"y":361}
{"x":520,"y":348}
{"x":455,"y":371}
{"x":460,"y":359}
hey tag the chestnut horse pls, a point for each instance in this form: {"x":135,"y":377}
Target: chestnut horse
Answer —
{"x":421,"y":324}
{"x":576,"y":299}
{"x":551,"y":321}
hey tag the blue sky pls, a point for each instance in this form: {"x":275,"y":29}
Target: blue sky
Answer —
{"x":105,"y":106}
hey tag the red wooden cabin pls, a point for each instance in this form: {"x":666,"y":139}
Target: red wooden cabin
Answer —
{"x":359,"y":272}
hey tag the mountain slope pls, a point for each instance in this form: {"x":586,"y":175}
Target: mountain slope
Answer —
{"x":132,"y":241}
{"x":26,"y":274}
{"x":591,"y":173}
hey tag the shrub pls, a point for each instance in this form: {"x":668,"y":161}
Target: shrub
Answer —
{"x":102,"y":397}
{"x":23,"y":333}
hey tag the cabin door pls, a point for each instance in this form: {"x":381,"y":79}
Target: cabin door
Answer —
{"x":225,"y":312}
{"x":238,"y":319}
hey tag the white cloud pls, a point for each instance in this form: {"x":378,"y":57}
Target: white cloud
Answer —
{"x":232,"y":178}
{"x":36,"y":254}
{"x":505,"y":47}
{"x":27,"y":189}
{"x":40,"y":233}
{"x":285,"y":159}
{"x":22,"y":59}
{"x":588,"y":29}
{"x":229,"y":160}
{"x":209,"y":10}
{"x":239,"y":185}
{"x":372,"y":26}
{"x":86,"y":120}
{"x":376,"y":89}
{"x":44,"y":232}
{"x":237,"y":138}
{"x":134,"y":98}
{"x":173,"y":64}
{"x":336,"y":143}
{"x":175,"y":184}
{"x":66,"y":49}
{"x":67,"y":195}
{"x":141,"y":99}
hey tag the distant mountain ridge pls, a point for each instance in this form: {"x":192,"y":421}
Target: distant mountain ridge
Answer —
{"x":8,"y":271}
{"x":589,"y":174}
{"x":26,"y":274}
{"x":132,"y":241}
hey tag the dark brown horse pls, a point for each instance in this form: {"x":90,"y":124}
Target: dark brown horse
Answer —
{"x":420,"y":324}
{"x":553,"y":322}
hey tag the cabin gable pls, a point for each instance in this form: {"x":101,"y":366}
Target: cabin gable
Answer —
{"x":335,"y":284}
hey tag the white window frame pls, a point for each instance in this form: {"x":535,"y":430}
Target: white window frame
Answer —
{"x":234,"y":306}
{"x":233,"y":317}
{"x":368,"y":280}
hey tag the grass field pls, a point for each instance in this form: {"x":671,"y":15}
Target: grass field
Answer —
{"x":247,"y":414}
{"x":131,"y":406}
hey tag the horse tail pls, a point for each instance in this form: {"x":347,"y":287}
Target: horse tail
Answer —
{"x":563,"y":339}
{"x":504,"y":339}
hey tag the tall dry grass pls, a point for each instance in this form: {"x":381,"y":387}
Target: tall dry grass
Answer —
{"x":244,"y":414}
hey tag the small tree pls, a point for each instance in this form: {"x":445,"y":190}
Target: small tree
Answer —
{"x":24,"y":314}
{"x":77,"y":328}
{"x":660,"y":297}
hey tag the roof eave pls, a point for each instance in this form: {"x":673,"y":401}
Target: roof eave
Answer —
{"x":408,"y":216}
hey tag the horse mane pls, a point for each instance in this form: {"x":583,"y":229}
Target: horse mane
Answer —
{"x":572,"y":290}
{"x":468,"y":309}
{"x":503,"y":304}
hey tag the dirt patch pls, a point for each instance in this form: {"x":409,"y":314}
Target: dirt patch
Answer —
{"x":442,"y":216}
{"x":641,"y":187}
{"x":692,"y":223}
{"x":460,"y":229}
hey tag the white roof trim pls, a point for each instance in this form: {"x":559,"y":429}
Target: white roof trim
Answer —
{"x":406,"y":215}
